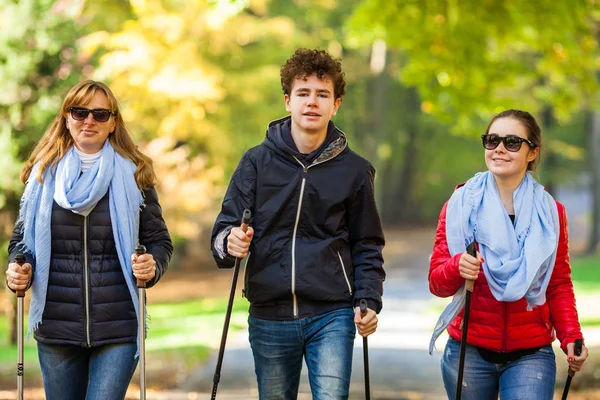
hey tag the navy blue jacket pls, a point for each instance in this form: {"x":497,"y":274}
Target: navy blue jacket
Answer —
{"x":318,"y":239}
{"x":92,"y":307}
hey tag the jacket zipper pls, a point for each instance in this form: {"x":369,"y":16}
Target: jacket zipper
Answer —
{"x":305,"y":169}
{"x":86,"y":282}
{"x":294,"y":298}
{"x":345,"y":275}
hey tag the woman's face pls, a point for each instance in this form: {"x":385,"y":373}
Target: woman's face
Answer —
{"x":89,"y":135}
{"x":506,"y":164}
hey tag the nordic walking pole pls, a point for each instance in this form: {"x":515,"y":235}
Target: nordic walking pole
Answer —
{"x":139,"y":250}
{"x":577,"y":350}
{"x":20,"y":259}
{"x":363,"y":312}
{"x":217,"y":377}
{"x":471,"y":250}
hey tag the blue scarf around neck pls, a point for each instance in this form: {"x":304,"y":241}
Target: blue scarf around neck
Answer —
{"x":519,"y":258}
{"x":79,"y":192}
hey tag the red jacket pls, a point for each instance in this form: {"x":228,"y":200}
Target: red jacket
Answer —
{"x":508,"y":326}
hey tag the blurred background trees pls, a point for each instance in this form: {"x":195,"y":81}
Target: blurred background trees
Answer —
{"x":198,"y":81}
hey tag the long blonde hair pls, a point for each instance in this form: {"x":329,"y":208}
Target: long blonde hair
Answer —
{"x":57,"y":140}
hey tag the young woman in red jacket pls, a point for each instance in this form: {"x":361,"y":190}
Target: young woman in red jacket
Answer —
{"x":523,"y":295}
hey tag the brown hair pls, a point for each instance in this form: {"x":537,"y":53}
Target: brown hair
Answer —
{"x":305,"y":62}
{"x":57,"y":140}
{"x":534,"y":132}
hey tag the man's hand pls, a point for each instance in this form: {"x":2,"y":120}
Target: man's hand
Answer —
{"x":366,"y":324}
{"x":238,"y":242}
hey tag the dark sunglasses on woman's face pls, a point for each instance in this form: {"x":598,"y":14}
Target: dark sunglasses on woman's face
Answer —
{"x":99,"y":114}
{"x":511,"y":143}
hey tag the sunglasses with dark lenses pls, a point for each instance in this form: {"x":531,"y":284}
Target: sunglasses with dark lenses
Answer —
{"x":511,"y":143}
{"x":99,"y":114}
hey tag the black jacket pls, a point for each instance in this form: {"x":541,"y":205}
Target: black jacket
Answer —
{"x":92,"y":306}
{"x":318,"y":239}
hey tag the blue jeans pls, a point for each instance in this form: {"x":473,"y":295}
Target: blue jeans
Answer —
{"x":78,"y":373}
{"x":326,"y":341}
{"x":531,"y":377}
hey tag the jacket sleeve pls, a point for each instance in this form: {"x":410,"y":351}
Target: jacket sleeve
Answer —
{"x":240,"y":195}
{"x":444,"y":278}
{"x":559,"y":294}
{"x":13,"y":250}
{"x":154,"y":234}
{"x":366,"y":244}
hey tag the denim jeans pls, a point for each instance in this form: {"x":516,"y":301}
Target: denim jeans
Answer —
{"x":325,"y":341}
{"x":78,"y":373}
{"x":531,"y":377}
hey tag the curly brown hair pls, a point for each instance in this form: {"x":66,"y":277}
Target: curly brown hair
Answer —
{"x":305,"y":62}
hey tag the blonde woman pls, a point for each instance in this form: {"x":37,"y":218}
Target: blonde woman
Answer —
{"x":89,"y":198}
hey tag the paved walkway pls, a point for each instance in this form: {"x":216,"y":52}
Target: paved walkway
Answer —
{"x":401,"y":368}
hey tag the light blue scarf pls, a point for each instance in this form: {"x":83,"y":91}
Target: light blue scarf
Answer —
{"x":519,"y":258}
{"x":79,"y":192}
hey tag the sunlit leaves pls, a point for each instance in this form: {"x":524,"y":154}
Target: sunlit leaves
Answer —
{"x":473,"y":57}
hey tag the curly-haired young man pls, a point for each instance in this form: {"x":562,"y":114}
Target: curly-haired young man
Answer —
{"x":314,"y":248}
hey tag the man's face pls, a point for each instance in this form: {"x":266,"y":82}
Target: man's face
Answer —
{"x":312,"y":104}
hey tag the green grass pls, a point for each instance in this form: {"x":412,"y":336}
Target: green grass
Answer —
{"x":183,"y":333}
{"x":586,"y":274}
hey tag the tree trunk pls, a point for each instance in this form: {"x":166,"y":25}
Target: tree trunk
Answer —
{"x":408,"y":173}
{"x":550,"y":159}
{"x":594,"y":157}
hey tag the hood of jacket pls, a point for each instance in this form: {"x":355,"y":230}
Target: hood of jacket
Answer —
{"x":334,"y":144}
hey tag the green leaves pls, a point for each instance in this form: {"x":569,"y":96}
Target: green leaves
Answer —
{"x":470,"y":59}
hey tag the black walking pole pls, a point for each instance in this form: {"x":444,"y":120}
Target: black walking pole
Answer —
{"x":577,"y":350}
{"x":363,"y":312}
{"x":20,"y":259}
{"x":471,"y":250}
{"x":139,"y":250}
{"x":217,"y":377}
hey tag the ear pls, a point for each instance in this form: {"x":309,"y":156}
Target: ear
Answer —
{"x":67,"y":123}
{"x":286,"y":100}
{"x":533,"y":154}
{"x":336,"y":105}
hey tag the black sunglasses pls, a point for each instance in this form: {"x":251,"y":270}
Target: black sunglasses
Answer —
{"x":511,"y":143}
{"x":99,"y":114}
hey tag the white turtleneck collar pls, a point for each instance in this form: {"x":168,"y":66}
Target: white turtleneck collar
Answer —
{"x":87,"y":160}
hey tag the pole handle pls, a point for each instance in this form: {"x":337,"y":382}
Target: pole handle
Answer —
{"x":139,"y":250}
{"x":363,"y":307}
{"x":472,"y":251}
{"x":20,"y":259}
{"x":246,"y":220}
{"x":577,"y":350}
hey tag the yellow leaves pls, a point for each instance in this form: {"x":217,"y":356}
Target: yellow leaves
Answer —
{"x":187,"y":185}
{"x":559,"y":51}
{"x":566,"y":150}
{"x":384,"y":151}
{"x":444,"y":79}
{"x":176,"y":83}
{"x":427,"y":107}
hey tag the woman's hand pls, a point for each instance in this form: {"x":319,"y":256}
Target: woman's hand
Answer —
{"x":576,"y":362}
{"x":18,"y":276}
{"x":469,"y":266}
{"x":143,"y":266}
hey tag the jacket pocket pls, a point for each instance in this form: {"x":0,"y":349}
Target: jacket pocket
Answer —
{"x":544,"y":313}
{"x":344,"y":273}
